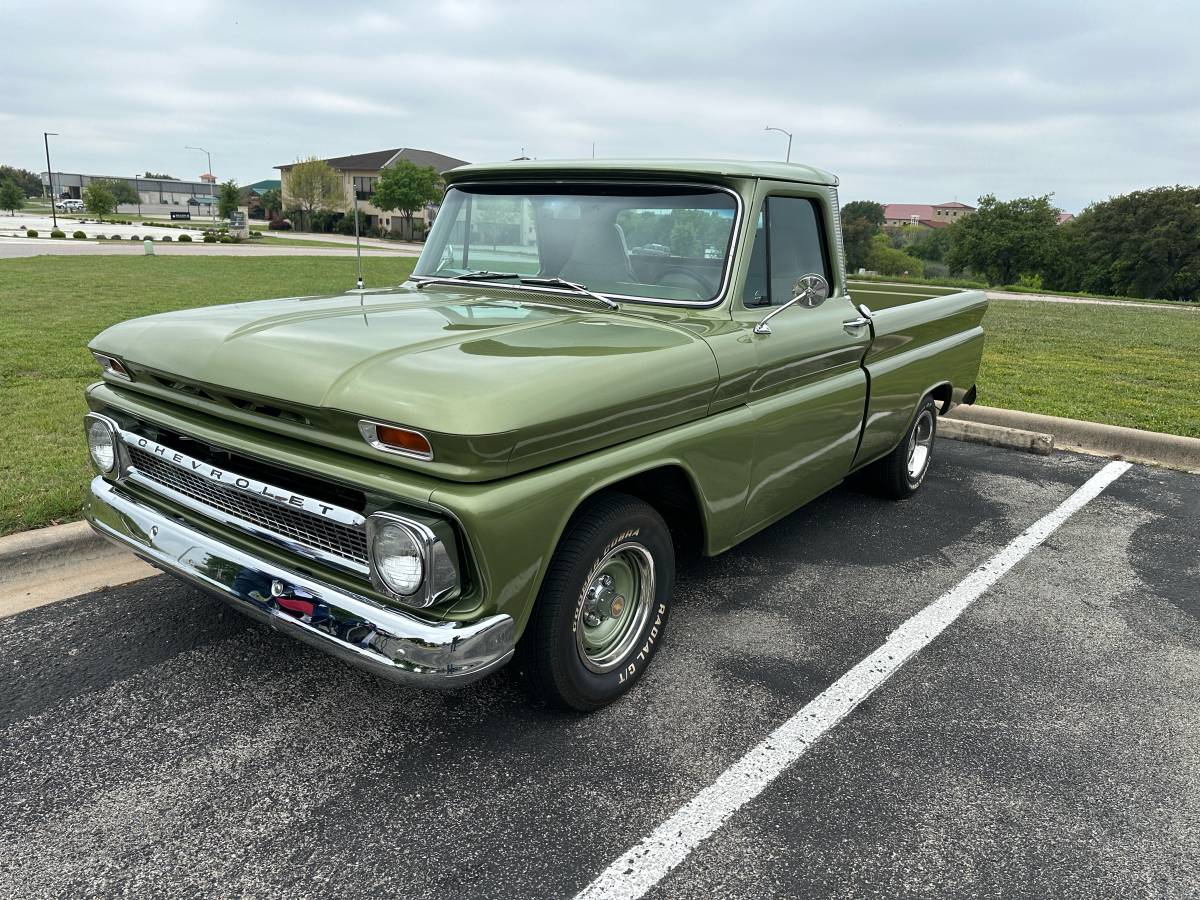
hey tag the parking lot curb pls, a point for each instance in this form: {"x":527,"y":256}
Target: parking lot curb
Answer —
{"x":997,"y":436}
{"x":1113,"y":441}
{"x":48,"y":564}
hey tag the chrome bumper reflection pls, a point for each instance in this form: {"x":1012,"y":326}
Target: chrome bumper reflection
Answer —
{"x":386,"y":642}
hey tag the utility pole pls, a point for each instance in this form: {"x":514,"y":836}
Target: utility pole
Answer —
{"x":46,"y":135}
{"x":212,"y":184}
{"x":137,"y":191}
{"x":789,"y":137}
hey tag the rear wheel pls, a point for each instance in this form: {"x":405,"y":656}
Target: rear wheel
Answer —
{"x":603,"y":606}
{"x":902,"y":472}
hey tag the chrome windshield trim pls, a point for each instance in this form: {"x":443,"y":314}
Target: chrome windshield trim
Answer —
{"x":727,"y":270}
{"x":260,"y":489}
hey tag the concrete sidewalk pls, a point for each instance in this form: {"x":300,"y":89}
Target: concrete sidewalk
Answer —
{"x":17,"y":248}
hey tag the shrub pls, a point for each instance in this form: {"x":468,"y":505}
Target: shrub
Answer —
{"x":165,"y":237}
{"x":887,"y":260}
{"x":31,"y":232}
{"x":280,"y":225}
{"x":185,"y":238}
{"x":58,"y":233}
{"x":226,"y":239}
{"x":79,"y":235}
{"x":135,"y":237}
{"x":210,"y":238}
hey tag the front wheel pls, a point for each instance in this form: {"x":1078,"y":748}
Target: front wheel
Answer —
{"x":902,"y":472}
{"x":603,"y":607}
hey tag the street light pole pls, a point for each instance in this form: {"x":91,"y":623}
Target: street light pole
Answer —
{"x":212,"y":182}
{"x":789,"y":137}
{"x":50,"y":175}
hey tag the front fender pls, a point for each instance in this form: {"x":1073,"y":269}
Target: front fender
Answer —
{"x":513,"y":526}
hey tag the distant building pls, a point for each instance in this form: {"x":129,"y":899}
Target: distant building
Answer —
{"x":1064,"y":217}
{"x":153,"y":191}
{"x":926,"y":215}
{"x":252,"y":195}
{"x":360,"y":173}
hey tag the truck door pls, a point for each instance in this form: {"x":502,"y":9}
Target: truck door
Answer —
{"x":809,"y":390}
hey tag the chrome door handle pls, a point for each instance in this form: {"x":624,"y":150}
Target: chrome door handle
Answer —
{"x":852,"y":325}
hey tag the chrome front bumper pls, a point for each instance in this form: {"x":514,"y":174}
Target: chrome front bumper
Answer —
{"x":384,"y":641}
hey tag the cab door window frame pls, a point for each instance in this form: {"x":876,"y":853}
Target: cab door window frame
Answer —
{"x":823,"y":239}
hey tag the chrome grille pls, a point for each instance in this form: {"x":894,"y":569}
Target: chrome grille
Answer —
{"x":344,"y":542}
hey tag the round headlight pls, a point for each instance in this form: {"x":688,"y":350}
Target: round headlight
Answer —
{"x":101,"y":445}
{"x":397,"y":558}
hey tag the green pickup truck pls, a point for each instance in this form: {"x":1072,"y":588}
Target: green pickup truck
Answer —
{"x":593,"y":367}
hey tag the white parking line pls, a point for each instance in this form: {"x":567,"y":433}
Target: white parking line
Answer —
{"x":643,"y":866}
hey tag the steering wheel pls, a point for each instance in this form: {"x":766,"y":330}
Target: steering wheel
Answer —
{"x":705,"y":287}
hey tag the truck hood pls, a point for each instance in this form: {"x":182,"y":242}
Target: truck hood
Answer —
{"x":499,"y":386}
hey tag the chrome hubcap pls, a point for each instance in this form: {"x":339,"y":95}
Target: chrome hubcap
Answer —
{"x":615,"y":607}
{"x":920,"y":446}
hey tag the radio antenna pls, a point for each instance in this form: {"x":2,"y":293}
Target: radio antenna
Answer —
{"x":357,"y":241}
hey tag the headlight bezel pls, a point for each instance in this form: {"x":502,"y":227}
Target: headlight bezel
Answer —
{"x":441,"y":577}
{"x":93,"y":420}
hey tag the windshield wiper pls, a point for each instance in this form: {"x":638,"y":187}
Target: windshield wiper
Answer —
{"x":485,"y":275}
{"x":478,"y":275}
{"x":572,"y":285}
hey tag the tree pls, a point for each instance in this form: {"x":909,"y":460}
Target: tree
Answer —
{"x":99,"y":200}
{"x":407,"y":187}
{"x":122,"y":191}
{"x":1004,"y":240}
{"x":12,"y":197}
{"x":312,"y":185}
{"x":271,"y":202}
{"x":29,"y":182}
{"x":887,"y":260}
{"x":229,"y":197}
{"x":932,"y":244}
{"x":160,"y":177}
{"x":1142,"y":244}
{"x":861,"y":221}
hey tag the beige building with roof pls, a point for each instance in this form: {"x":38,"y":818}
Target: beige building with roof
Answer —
{"x":360,"y":172}
{"x":929,"y":215}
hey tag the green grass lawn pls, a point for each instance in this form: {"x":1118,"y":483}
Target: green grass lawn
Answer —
{"x":1132,"y":367}
{"x":313,"y":242}
{"x":50,"y":307}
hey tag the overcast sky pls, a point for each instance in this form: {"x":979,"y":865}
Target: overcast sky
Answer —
{"x":906,"y":102}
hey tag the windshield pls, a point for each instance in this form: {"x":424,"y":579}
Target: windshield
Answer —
{"x":656,"y":242}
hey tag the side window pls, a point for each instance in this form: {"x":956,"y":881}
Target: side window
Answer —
{"x":788,"y":243}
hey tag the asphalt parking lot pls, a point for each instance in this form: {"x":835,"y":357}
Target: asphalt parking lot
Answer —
{"x":1046,"y":744}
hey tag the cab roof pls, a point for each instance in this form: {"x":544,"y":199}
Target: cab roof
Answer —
{"x":690,"y":168}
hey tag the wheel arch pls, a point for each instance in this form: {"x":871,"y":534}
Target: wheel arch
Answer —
{"x":671,"y":490}
{"x":943,"y":394}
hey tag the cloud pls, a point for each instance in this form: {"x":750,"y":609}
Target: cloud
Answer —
{"x":906,"y":102}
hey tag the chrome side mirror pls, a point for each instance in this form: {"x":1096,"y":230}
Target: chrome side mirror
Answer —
{"x":809,"y":291}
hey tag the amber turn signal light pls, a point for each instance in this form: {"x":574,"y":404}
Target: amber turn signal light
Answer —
{"x":112,"y":366}
{"x":394,"y":439}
